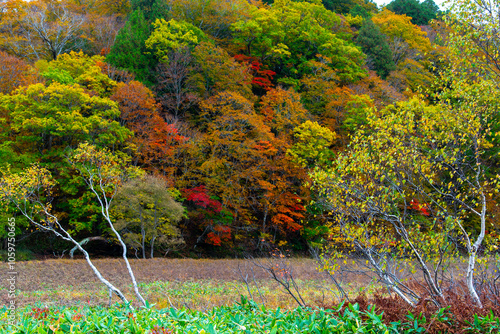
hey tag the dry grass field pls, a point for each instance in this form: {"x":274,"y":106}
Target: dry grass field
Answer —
{"x":196,"y":284}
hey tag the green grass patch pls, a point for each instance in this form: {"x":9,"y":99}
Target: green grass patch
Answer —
{"x":245,"y":317}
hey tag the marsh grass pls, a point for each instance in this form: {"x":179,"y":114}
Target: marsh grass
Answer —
{"x":193,"y":284}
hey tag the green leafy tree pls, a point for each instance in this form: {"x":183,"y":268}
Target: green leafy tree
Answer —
{"x":312,"y":143}
{"x":50,"y":118}
{"x":288,"y":34}
{"x":374,"y":44}
{"x":420,"y":13}
{"x":406,"y":40}
{"x":169,"y":36}
{"x":345,"y":6}
{"x":78,"y":68}
{"x":31,"y":191}
{"x":103,"y":172}
{"x":129,"y":51}
{"x":43,"y":122}
{"x":145,"y":212}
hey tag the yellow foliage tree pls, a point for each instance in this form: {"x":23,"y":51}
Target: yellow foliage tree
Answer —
{"x":405,"y":38}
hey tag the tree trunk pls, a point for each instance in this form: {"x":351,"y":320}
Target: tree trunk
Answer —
{"x":470,"y":279}
{"x":143,"y":236}
{"x":124,"y":255}
{"x":69,"y":238}
{"x":152,"y":245}
{"x":103,"y":201}
{"x":473,"y":249}
{"x":83,"y":242}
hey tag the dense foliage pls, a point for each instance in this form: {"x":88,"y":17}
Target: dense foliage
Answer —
{"x":421,"y":13}
{"x":230,"y":106}
{"x":246,"y":317}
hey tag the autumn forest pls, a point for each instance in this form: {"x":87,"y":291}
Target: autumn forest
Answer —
{"x":215,"y":128}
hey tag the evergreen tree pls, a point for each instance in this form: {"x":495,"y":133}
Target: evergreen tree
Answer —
{"x":374,"y":45}
{"x":339,"y":6}
{"x":420,"y":13}
{"x":360,"y":11}
{"x":152,"y":9}
{"x":129,"y":51}
{"x":345,"y":6}
{"x":430,"y":10}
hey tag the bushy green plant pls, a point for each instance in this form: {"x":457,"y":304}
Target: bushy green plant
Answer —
{"x":244,"y":317}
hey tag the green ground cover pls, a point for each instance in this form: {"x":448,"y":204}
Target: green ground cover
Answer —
{"x":244,"y":317}
{"x":198,"y":296}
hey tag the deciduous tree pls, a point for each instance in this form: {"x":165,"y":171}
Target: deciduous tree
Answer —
{"x":154,"y":139}
{"x":421,"y":13}
{"x":283,"y":110}
{"x":51,"y":118}
{"x":213,"y":17}
{"x":293,"y":32}
{"x":168,"y":36}
{"x":15,"y":72}
{"x":78,"y":68}
{"x":30,"y":192}
{"x":145,"y":213}
{"x":103,"y":173}
{"x":41,"y":29}
{"x":218,"y":72}
{"x":312,"y":145}
{"x":415,"y":153}
{"x":405,"y":38}
{"x":175,"y":89}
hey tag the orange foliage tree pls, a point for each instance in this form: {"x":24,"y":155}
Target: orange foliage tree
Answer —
{"x":283,"y":110}
{"x":15,"y":72}
{"x":243,"y":164}
{"x":154,"y":139}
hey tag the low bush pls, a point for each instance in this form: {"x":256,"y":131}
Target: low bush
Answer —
{"x":245,"y":317}
{"x":460,"y":316}
{"x":250,"y":317}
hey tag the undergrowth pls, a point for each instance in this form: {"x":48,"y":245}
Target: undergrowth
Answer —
{"x":244,"y":317}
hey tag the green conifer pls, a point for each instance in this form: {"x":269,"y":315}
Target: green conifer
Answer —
{"x":374,"y":45}
{"x":129,"y":51}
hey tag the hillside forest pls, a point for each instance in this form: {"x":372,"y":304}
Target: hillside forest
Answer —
{"x":216,"y":128}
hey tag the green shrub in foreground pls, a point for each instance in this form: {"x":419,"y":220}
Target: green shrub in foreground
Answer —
{"x":245,"y":317}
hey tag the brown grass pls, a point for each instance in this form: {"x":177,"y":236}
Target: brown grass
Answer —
{"x":460,"y":313}
{"x":203,"y":284}
{"x":199,"y":284}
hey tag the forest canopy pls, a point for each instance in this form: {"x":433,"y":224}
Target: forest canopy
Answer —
{"x":233,"y":110}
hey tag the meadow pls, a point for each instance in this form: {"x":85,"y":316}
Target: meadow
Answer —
{"x":194,"y":284}
{"x":212,"y":296}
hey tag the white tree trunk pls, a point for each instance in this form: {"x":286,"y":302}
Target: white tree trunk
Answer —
{"x":105,"y":203}
{"x":69,"y":238}
{"x":124,"y":255}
